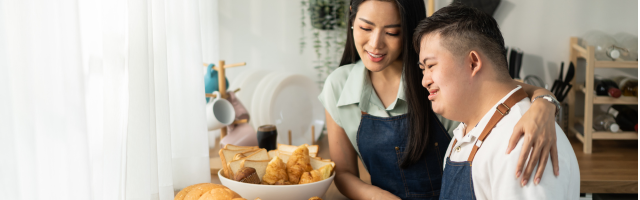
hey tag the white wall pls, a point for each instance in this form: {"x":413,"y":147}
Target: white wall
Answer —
{"x":542,"y":29}
{"x":265,"y":34}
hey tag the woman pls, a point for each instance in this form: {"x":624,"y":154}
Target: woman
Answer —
{"x":400,"y":140}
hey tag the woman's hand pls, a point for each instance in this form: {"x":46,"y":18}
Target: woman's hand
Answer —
{"x":347,"y":178}
{"x":537,"y":125}
{"x":380,"y":194}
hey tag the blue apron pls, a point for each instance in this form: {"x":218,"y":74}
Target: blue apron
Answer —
{"x":457,"y":182}
{"x":382,"y":142}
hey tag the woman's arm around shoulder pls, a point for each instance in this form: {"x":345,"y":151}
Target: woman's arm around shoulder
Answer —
{"x":537,"y":126}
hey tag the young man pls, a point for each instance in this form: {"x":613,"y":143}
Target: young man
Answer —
{"x":465,"y":70}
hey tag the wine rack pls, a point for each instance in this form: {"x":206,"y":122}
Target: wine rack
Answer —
{"x":588,"y":134}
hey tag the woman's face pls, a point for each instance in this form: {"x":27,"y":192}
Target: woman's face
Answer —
{"x":377,"y":34}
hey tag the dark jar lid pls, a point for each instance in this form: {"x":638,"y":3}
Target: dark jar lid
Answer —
{"x":266,"y":128}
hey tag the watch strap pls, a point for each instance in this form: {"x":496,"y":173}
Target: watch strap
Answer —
{"x":550,"y":99}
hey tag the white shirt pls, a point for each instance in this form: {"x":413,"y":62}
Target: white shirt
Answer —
{"x":494,"y":172}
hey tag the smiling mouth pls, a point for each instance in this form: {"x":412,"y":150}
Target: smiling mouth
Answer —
{"x":432,"y":94}
{"x":375,"y":55}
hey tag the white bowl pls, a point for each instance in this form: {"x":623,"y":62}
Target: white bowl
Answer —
{"x":278,"y":192}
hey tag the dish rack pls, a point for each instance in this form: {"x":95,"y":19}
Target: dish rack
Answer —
{"x":222,"y":87}
{"x":586,"y":121}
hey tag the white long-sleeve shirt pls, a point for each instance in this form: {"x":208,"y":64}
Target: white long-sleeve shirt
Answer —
{"x":493,"y":170}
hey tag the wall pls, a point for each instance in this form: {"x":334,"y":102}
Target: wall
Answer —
{"x":265,"y":34}
{"x":542,"y":29}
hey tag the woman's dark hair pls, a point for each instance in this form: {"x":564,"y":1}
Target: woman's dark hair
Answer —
{"x":419,"y":106}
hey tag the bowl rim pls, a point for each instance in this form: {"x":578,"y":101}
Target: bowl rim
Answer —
{"x":261,"y":185}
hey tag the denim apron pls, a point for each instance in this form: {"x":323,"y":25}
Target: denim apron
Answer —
{"x":382,"y":142}
{"x":457,"y":182}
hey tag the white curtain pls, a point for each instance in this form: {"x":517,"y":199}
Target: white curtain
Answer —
{"x":101,"y":99}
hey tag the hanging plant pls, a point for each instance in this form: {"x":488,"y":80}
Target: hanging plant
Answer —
{"x":327,"y":14}
{"x":328,"y":25}
{"x":303,"y":5}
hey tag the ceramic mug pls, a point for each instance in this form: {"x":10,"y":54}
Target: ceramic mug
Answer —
{"x":220,"y":112}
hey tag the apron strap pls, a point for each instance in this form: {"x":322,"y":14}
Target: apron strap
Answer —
{"x":502,"y":110}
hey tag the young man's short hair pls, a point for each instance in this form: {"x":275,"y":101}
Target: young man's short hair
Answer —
{"x":462,"y":28}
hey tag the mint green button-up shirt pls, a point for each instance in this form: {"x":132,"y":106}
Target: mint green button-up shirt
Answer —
{"x":348,"y":91}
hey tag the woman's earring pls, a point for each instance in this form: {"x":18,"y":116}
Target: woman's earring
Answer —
{"x":352,"y":28}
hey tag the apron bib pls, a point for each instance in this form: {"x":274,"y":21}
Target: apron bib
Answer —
{"x":382,"y":142}
{"x":457,"y":182}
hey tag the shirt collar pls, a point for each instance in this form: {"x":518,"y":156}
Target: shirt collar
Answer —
{"x":358,"y":88}
{"x":458,"y":133}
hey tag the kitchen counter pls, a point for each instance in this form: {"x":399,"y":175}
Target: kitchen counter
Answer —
{"x":611,"y":168}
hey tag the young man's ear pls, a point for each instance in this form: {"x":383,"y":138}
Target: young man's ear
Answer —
{"x":475,"y":62}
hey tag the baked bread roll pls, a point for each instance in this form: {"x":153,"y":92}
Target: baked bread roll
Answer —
{"x":276,"y":171}
{"x":298,"y":163}
{"x":185,"y":191}
{"x":310,"y":177}
{"x":282,"y":182}
{"x":220,"y":194}
{"x":201,"y":189}
{"x":326,"y":171}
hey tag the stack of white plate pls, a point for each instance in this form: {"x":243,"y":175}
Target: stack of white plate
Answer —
{"x":289,"y":101}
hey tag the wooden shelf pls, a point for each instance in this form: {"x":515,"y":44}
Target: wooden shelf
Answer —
{"x":610,"y":100}
{"x":580,"y":120}
{"x":588,"y":135}
{"x":627,"y":100}
{"x":583,"y":53}
{"x":617,"y":64}
{"x":578,"y":134}
{"x":604,"y":135}
{"x":625,"y":135}
{"x":580,"y":88}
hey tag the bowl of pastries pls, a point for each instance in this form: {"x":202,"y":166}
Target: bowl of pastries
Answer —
{"x":289,"y":172}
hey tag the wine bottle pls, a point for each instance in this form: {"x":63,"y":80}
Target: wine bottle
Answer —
{"x":628,"y":86}
{"x":606,"y":87}
{"x":625,"y":116}
{"x":605,"y":122}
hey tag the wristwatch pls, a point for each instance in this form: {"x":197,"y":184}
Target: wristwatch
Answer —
{"x":550,"y":98}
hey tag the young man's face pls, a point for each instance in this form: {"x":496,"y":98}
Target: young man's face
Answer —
{"x":443,"y":75}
